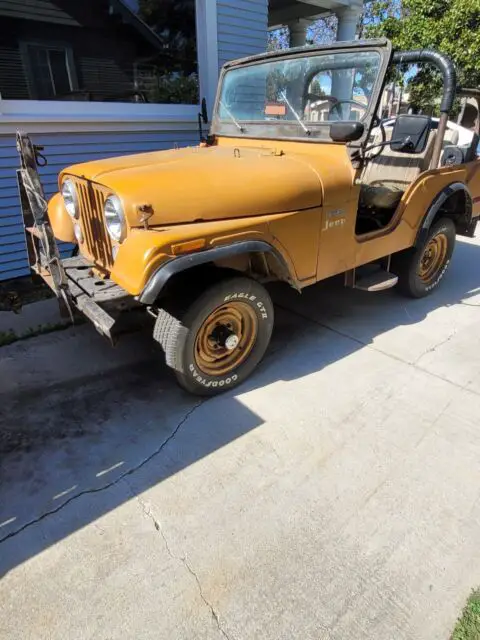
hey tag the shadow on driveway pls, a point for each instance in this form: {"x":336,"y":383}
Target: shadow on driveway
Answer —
{"x":69,"y":439}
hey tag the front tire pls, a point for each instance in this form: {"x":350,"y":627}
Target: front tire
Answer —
{"x":421,"y":269}
{"x":214,"y":343}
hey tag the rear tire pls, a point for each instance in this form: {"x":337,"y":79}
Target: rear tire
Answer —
{"x":421,"y":269}
{"x":215,"y":342}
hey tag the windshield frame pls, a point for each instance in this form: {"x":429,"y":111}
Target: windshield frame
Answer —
{"x":290,"y":130}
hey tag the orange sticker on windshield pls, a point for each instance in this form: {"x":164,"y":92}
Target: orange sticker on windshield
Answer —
{"x":275,"y":109}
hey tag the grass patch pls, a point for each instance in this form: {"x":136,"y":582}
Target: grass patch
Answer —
{"x":7,"y":337}
{"x":468,"y":625}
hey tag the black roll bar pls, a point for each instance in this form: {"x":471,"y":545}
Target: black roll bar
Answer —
{"x":446,"y":67}
{"x":443,"y":63}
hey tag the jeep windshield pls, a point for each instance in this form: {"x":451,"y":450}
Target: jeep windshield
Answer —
{"x":297,"y":96}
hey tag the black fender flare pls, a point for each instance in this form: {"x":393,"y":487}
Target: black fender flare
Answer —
{"x":436,"y":205}
{"x":162,"y":275}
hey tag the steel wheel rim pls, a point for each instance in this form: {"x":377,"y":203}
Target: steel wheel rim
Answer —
{"x":433,"y":258}
{"x":225,"y":325}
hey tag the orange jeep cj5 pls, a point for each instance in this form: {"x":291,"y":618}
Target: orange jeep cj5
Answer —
{"x":298,"y":180}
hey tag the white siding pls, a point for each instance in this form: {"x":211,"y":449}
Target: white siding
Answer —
{"x":242,"y":28}
{"x":62,"y":150}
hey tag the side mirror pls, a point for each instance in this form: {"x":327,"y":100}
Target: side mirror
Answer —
{"x":410,"y":133}
{"x":346,"y":131}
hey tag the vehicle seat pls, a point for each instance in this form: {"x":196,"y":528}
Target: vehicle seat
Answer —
{"x":451,"y":137}
{"x":471,"y":150}
{"x":449,"y":140}
{"x":387,"y":175}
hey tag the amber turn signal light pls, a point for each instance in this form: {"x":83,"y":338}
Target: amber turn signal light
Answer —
{"x":185,"y":247}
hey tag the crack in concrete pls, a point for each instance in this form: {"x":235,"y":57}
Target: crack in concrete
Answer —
{"x":436,"y":346}
{"x":157,"y":451}
{"x":215,"y":615}
{"x":183,"y":559}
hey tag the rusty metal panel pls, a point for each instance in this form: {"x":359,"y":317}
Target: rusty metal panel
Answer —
{"x":97,"y":245}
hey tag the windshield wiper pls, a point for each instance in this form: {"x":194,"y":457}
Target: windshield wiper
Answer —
{"x":232,"y":117}
{"x":284,"y":96}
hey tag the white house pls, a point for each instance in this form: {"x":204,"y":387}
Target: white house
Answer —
{"x":98,"y":78}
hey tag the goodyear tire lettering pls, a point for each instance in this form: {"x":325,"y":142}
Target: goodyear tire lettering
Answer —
{"x":211,"y":383}
{"x":440,"y":276}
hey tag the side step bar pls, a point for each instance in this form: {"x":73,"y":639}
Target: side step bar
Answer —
{"x":374,"y":280}
{"x":377,"y":281}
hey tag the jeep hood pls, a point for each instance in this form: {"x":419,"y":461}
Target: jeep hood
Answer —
{"x":211,"y":183}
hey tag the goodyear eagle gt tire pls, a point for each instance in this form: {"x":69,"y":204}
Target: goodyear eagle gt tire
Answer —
{"x":421,"y":269}
{"x":216,"y":342}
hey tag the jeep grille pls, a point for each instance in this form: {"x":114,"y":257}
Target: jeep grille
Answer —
{"x":97,"y":244}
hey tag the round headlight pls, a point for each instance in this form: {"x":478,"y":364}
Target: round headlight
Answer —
{"x":114,"y":218}
{"x":70,"y":198}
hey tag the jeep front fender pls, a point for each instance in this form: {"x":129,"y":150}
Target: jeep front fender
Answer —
{"x":176,"y":265}
{"x":145,"y":260}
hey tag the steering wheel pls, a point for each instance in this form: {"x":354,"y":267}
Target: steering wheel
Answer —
{"x":313,"y":97}
{"x":336,"y":107}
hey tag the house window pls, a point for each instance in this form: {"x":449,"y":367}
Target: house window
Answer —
{"x":99,"y":51}
{"x":50,"y":76}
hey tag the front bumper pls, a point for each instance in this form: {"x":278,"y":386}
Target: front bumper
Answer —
{"x":101,"y":300}
{"x":73,"y":280}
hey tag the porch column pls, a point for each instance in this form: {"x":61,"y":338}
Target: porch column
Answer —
{"x":342,"y":81}
{"x":347,"y":23}
{"x":207,"y":50}
{"x":298,"y":32}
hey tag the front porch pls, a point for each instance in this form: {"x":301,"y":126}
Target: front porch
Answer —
{"x":298,"y":16}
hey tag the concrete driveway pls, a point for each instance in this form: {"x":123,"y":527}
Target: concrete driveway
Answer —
{"x":336,"y":495}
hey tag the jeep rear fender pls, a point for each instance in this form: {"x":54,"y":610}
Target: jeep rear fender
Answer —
{"x":174,"y":266}
{"x":461,"y":218}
